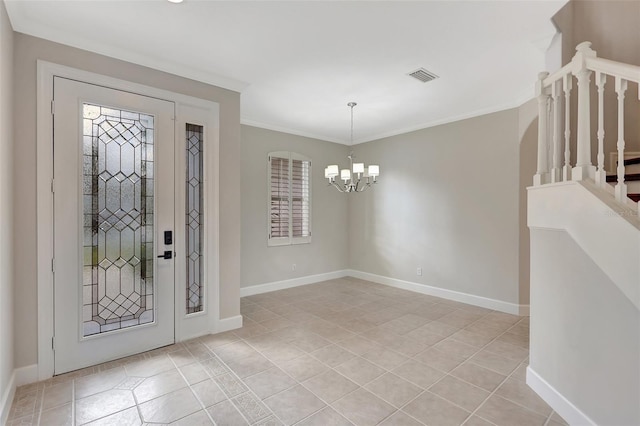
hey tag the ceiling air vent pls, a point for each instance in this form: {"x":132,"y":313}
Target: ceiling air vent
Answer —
{"x":423,"y":75}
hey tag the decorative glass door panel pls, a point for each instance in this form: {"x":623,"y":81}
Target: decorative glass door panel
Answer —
{"x":118,"y":219}
{"x":194,"y":219}
{"x":114,"y":195}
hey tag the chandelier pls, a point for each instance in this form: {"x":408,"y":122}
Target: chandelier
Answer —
{"x":352,"y":178}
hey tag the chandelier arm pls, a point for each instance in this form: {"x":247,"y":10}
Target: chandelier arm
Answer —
{"x":337,"y":186}
{"x":365,"y":187}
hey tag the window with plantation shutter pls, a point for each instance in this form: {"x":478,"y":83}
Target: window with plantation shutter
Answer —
{"x":289,"y":198}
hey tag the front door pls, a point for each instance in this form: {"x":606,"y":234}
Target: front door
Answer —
{"x":113,"y":201}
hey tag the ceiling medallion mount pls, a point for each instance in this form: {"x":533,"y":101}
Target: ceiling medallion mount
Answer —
{"x":353,"y":176}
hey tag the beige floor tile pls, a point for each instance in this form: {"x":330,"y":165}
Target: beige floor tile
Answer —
{"x":303,"y":367}
{"x":99,"y":382}
{"x":311,"y":342}
{"x":294,"y":404}
{"x":149,"y":367}
{"x":358,"y":345}
{"x":159,"y":385}
{"x":208,"y":392}
{"x":425,"y":336}
{"x":199,"y":418}
{"x":57,"y":395}
{"x":102,"y":404}
{"x":234,"y":351}
{"x":128,"y":417}
{"x":520,"y":373}
{"x":330,"y":386}
{"x":272,"y":420}
{"x":360,"y":370}
{"x":332,"y":355}
{"x":250,"y":365}
{"x":363,"y":408}
{"x":479,"y":376}
{"x":264,"y":341}
{"x":471,"y":338}
{"x":452,"y":347}
{"x":430,"y":409}
{"x":251,"y":407}
{"x":460,"y":393}
{"x":325,"y":417}
{"x":225,"y":413}
{"x":418,"y":373}
{"x":214,"y":367}
{"x":182,"y":357}
{"x":171,"y":407}
{"x":439,"y":360}
{"x":393,"y":389}
{"x":507,"y":350}
{"x":494,"y":362}
{"x":57,"y":416}
{"x":506,"y":413}
{"x":261,"y":314}
{"x":385,"y":358}
{"x":515,"y":339}
{"x":212,"y":341}
{"x":477,"y":421}
{"x":518,"y":392}
{"x":269,"y":382}
{"x":283,"y":353}
{"x":194,"y":373}
{"x":437,"y":327}
{"x":400,"y":419}
{"x":250,"y":329}
{"x":230,"y":385}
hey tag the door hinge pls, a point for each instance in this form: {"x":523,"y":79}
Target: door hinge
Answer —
{"x":52,"y":186}
{"x":53,"y":107}
{"x":53,"y":343}
{"x":53,"y":265}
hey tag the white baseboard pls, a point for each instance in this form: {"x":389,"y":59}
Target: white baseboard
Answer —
{"x":471,"y":299}
{"x":295,"y":282}
{"x":231,"y":323}
{"x":7,"y":399}
{"x":559,"y":403}
{"x":26,"y":375}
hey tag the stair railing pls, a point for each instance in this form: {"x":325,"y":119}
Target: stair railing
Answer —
{"x":553,"y":92}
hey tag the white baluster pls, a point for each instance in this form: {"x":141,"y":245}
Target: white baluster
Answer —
{"x":601,"y":174}
{"x":621,"y":187}
{"x":556,"y":170}
{"x":584,"y":168}
{"x":566,"y":86}
{"x":541,"y":176}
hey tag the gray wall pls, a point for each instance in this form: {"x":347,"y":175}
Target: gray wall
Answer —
{"x":6,"y":201}
{"x":584,"y":331}
{"x":447,"y":202}
{"x":327,"y":251}
{"x":27,"y":50}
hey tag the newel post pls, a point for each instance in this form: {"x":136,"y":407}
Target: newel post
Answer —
{"x":584,"y":168}
{"x":542,"y":174}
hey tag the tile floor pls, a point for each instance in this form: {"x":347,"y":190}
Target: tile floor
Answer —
{"x":341,"y":352}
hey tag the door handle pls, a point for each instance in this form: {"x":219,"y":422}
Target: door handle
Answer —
{"x":168,"y":254}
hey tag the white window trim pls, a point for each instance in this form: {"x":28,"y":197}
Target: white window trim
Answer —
{"x":290,"y":240}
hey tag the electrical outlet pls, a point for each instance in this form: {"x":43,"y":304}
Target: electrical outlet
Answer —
{"x":419,"y":272}
{"x":293,"y":267}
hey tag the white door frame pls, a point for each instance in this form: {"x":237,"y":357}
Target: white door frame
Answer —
{"x":188,"y":109}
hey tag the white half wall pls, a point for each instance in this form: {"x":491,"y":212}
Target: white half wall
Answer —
{"x":585,"y":335}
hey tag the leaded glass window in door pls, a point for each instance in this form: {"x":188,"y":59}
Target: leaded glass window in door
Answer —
{"x":118,"y":213}
{"x":194,"y":219}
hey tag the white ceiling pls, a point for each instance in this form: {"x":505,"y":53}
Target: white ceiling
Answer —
{"x":298,"y":63}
